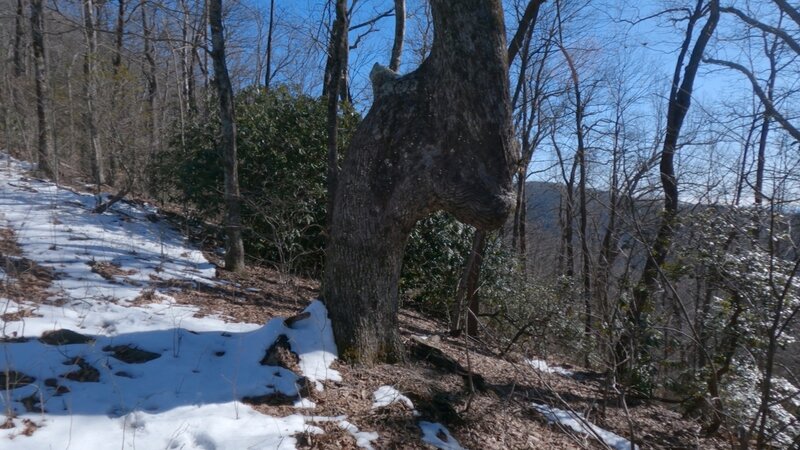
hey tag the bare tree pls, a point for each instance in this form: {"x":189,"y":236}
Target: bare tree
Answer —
{"x":19,"y":20}
{"x":43,"y":101}
{"x":90,"y":91}
{"x":680,"y":99}
{"x":234,"y":251}
{"x":338,"y":63}
{"x":270,"y":31}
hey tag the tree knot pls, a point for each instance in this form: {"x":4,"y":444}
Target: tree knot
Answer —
{"x":382,"y":79}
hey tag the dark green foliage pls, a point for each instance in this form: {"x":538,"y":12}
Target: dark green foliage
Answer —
{"x":282,"y":166}
{"x":436,"y":252}
{"x":282,"y":157}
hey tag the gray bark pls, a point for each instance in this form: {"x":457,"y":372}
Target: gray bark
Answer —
{"x":234,"y":251}
{"x":399,"y":33}
{"x":268,"y":76}
{"x":19,"y":33}
{"x":43,"y":101}
{"x":90,"y":90}
{"x":338,"y":64}
{"x":149,"y":70}
{"x":438,"y":138}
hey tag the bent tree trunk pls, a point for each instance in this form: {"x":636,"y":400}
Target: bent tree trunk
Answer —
{"x":439,"y":138}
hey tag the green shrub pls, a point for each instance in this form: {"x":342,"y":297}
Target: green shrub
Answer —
{"x":282,"y":150}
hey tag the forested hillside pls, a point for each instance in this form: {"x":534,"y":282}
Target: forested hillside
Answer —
{"x":399,"y":224}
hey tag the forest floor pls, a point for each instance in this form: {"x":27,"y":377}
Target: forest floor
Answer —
{"x":118,"y":332}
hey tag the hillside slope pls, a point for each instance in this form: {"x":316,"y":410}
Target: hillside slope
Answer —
{"x":119,"y":333}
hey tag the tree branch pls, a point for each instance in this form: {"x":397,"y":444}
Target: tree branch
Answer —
{"x":768,"y":105}
{"x":790,"y":41}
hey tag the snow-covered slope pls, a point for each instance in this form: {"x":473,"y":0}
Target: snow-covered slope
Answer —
{"x":96,"y":353}
{"x":133,"y":375}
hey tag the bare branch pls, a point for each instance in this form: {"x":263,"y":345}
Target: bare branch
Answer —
{"x":768,"y":105}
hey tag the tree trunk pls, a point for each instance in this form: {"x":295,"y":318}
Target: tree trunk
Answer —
{"x":43,"y":101}
{"x":762,"y":141}
{"x":116,"y":61}
{"x":19,"y":20}
{"x":234,"y":252}
{"x":268,"y":75}
{"x":338,"y":60}
{"x":399,"y":32}
{"x":149,"y":70}
{"x":526,"y":23}
{"x":90,"y":91}
{"x":679,"y":102}
{"x":466,"y":295}
{"x":439,"y":138}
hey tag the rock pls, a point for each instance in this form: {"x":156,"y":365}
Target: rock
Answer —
{"x":85,"y":374}
{"x":289,"y":322}
{"x":64,"y":337}
{"x":131,"y":355}
{"x":280,"y":354}
{"x":10,"y":379}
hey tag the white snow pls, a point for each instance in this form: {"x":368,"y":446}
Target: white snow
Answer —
{"x":542,"y":366}
{"x":190,"y":395}
{"x":581,"y":425}
{"x":431,"y":432}
{"x":386,"y":395}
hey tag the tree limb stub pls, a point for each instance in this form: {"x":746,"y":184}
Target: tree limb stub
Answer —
{"x":438,"y":138}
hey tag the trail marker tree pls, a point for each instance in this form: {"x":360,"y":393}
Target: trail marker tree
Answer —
{"x":438,"y":138}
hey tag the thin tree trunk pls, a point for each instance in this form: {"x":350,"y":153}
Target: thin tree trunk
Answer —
{"x":149,"y":70}
{"x":234,"y":253}
{"x":90,"y":91}
{"x":580,"y":157}
{"x":399,"y":33}
{"x":338,"y":59}
{"x":19,"y":34}
{"x":43,"y":101}
{"x":762,"y":141}
{"x":466,"y":293}
{"x":268,"y":75}
{"x":437,"y":138}
{"x":526,"y":23}
{"x":119,"y":31}
{"x":679,"y":102}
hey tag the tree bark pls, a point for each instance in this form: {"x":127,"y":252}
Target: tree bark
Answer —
{"x":90,"y":91}
{"x":399,"y":33}
{"x":149,"y":70}
{"x":438,"y":138}
{"x":268,"y":75}
{"x":43,"y":101}
{"x":338,"y":59}
{"x":580,"y":157}
{"x":527,"y":22}
{"x":765,"y":125}
{"x":116,"y":61}
{"x":19,"y":34}
{"x":234,"y":252}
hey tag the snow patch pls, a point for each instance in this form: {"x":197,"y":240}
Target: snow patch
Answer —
{"x":581,"y":425}
{"x":154,"y":375}
{"x":438,"y":436}
{"x":386,"y":395}
{"x":542,"y":366}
